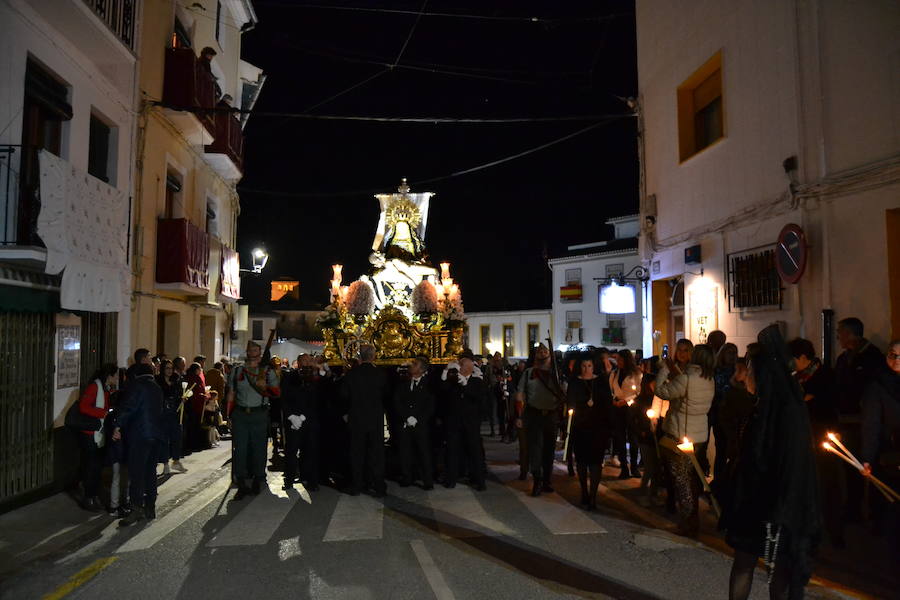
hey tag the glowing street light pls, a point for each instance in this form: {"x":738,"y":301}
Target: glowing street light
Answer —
{"x":260,"y":258}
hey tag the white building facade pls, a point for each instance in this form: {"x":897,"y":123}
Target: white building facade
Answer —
{"x":765,"y":124}
{"x":511,"y":333}
{"x":67,"y":122}
{"x":581,"y":277}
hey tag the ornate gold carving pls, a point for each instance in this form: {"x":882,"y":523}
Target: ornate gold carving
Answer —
{"x":402,"y":209}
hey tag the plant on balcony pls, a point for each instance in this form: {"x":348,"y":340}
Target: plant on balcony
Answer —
{"x":424,"y":301}
{"x":360,"y":299}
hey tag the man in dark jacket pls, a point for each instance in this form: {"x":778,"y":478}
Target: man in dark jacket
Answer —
{"x":300,"y":401}
{"x":141,"y":426}
{"x":464,"y":393}
{"x":364,"y":390}
{"x":413,"y":409}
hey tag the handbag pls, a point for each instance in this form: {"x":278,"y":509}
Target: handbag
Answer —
{"x":75,"y":419}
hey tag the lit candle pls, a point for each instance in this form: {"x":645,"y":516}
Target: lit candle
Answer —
{"x":447,"y":281}
{"x":630,"y":402}
{"x":335,"y":287}
{"x":837,"y":442}
{"x":337,"y":273}
{"x":343,"y":292}
{"x":651,"y":414}
{"x":454,"y":290}
{"x":445,"y":270}
{"x":686,"y":445}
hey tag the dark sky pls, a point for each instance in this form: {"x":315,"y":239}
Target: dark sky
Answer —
{"x":494,"y":225}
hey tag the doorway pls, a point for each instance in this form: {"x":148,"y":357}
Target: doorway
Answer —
{"x":668,"y":313}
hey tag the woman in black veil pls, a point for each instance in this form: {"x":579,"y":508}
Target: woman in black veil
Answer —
{"x":774,"y":511}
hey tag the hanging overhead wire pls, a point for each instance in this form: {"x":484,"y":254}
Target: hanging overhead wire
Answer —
{"x":411,"y":31}
{"x":481,"y":167}
{"x":522,"y":19}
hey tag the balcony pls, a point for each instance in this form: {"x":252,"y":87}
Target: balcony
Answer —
{"x":182,"y":257}
{"x":226,"y":153}
{"x":187,"y":86}
{"x":118,"y":15}
{"x":20,"y":205}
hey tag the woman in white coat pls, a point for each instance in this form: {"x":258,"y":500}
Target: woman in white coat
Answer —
{"x":690,"y":393}
{"x":625,"y":385}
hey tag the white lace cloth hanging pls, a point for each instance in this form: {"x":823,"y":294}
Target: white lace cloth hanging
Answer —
{"x":84,"y":224}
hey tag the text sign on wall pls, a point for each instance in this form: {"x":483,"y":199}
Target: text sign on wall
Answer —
{"x":68,"y":352}
{"x":704,"y":311}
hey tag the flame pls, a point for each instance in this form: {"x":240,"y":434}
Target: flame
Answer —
{"x":651,"y":414}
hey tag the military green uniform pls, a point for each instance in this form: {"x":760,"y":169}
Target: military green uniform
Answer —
{"x":250,"y":421}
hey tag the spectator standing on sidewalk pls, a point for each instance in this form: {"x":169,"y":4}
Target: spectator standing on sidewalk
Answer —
{"x":589,"y":396}
{"x":119,"y":499}
{"x":689,"y":390}
{"x":625,"y":384}
{"x":775,"y":510}
{"x":170,"y":384}
{"x":196,"y":436}
{"x":141,"y":427}
{"x":644,"y":426}
{"x":94,"y":403}
{"x":726,"y":358}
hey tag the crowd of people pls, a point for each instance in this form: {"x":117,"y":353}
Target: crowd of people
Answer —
{"x":767,"y":411}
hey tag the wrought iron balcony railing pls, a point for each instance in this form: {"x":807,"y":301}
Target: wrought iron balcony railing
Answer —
{"x":119,"y":16}
{"x":19,"y":196}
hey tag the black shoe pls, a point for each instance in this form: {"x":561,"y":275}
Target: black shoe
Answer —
{"x":624,"y":474}
{"x":136,"y":515}
{"x":547,"y":488}
{"x":449,"y":484}
{"x":585,"y":500}
{"x":353,"y":492}
{"x":312,"y":487}
{"x":288,"y":484}
{"x":523,"y":475}
{"x":123,"y":511}
{"x":536,"y":489}
{"x":256,"y":487}
{"x":242,"y":492}
{"x":404,"y":483}
{"x":92,"y":504}
{"x":150,"y":512}
{"x":428,"y":487}
{"x":571,"y":471}
{"x":379,"y":494}
{"x":479,"y":487}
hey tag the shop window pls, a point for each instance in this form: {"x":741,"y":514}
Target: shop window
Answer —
{"x":701,"y":109}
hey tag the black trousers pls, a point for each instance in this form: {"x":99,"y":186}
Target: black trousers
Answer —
{"x":502,"y":418}
{"x":464,"y":440}
{"x":142,"y":459}
{"x":367,"y":448}
{"x":414,"y":443}
{"x":305,"y":441}
{"x":172,"y":430}
{"x":541,"y":427}
{"x":91,"y":464}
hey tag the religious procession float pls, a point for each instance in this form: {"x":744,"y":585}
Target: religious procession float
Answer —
{"x":403,"y":306}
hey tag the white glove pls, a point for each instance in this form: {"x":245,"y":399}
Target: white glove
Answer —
{"x":296,"y":421}
{"x":346,"y":418}
{"x":450,"y":365}
{"x":411,"y":421}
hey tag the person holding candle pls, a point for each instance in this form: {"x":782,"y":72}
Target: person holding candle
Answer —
{"x":774,"y":511}
{"x":625,"y":384}
{"x":590,"y":398}
{"x":642,"y":420}
{"x":689,"y":388}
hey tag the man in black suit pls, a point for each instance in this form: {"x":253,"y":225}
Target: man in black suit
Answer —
{"x":300,"y":402}
{"x":464,"y":393}
{"x":413,"y":409}
{"x":364,"y":390}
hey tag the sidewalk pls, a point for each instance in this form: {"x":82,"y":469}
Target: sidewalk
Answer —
{"x":58,"y":524}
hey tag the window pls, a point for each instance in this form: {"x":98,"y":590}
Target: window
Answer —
{"x":534,"y":335}
{"x":573,"y":319}
{"x":753,"y":280}
{"x":571,"y":291}
{"x":173,"y":196}
{"x":99,"y":151}
{"x":212,"y":226}
{"x":509,"y":340}
{"x":701,"y":113}
{"x":616,"y":269}
{"x":573,"y":276}
{"x":180,"y":36}
{"x":485,"y":339}
{"x":257,"y":329}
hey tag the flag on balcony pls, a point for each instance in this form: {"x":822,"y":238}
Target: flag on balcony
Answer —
{"x":570,"y":292}
{"x":84,"y":224}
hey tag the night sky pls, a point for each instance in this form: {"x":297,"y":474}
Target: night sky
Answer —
{"x":495,"y":226}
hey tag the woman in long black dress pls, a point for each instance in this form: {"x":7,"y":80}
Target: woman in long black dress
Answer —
{"x":590,"y":397}
{"x":774,"y":511}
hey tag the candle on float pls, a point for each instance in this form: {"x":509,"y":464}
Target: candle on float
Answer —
{"x":651,"y":414}
{"x":686,"y":445}
{"x":447,"y":281}
{"x":336,"y":269}
{"x":335,"y":287}
{"x":445,"y":270}
{"x":343,"y":292}
{"x":630,"y":402}
{"x":454,"y":290}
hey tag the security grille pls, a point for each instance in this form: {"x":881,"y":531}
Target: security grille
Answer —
{"x":753,"y":281}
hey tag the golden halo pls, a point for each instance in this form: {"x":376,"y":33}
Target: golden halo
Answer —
{"x":403,"y":209}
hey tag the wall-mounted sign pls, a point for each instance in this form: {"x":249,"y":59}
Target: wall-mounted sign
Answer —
{"x":703,"y":303}
{"x":791,"y":253}
{"x":68,"y":352}
{"x":617,"y":299}
{"x":692,"y":255}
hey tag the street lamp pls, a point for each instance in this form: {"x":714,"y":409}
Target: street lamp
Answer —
{"x":260,"y":258}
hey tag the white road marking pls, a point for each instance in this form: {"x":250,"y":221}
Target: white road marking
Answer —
{"x":432,"y":573}
{"x":556,"y":513}
{"x":160,"y":528}
{"x":256,"y":524}
{"x":464,"y":511}
{"x":289,"y":548}
{"x":62,"y":531}
{"x":355,"y":518}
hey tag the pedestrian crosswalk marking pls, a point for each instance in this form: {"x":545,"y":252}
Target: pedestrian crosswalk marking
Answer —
{"x":257,"y":522}
{"x":467,"y":518}
{"x":432,"y":573}
{"x":289,"y":548}
{"x":355,"y":518}
{"x":554,"y":512}
{"x":160,"y":528}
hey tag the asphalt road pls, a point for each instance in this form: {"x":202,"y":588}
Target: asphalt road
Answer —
{"x":413,"y":544}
